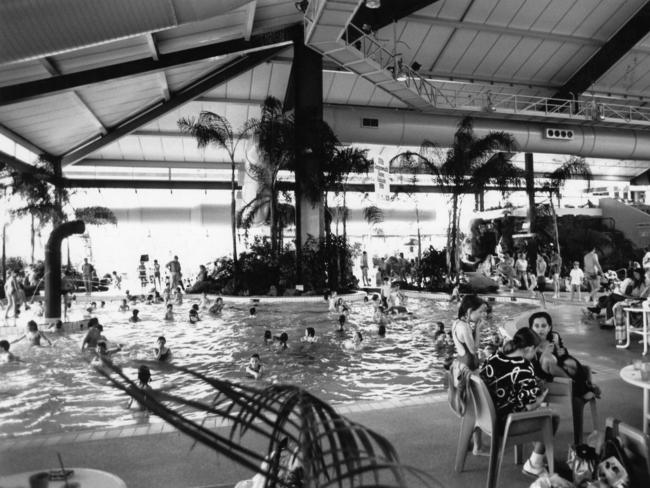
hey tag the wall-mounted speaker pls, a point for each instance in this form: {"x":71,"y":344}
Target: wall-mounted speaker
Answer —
{"x":562,"y":134}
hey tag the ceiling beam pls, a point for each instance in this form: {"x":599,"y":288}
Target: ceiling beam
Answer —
{"x":220,"y":75}
{"x":250,"y":18}
{"x":18,"y":139}
{"x":147,"y":184}
{"x":475,"y":26}
{"x":609,"y":54}
{"x":134,"y":163}
{"x":152,"y":45}
{"x":55,"y":84}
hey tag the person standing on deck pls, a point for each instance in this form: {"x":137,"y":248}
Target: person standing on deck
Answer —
{"x":592,"y":272}
{"x":364,"y":269}
{"x":87,"y":272}
{"x":174,"y":267}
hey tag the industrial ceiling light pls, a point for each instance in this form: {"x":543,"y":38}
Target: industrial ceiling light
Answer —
{"x":302,"y":5}
{"x":373,"y":4}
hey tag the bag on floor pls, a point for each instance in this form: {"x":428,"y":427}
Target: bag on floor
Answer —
{"x":613,"y":467}
{"x":582,"y":461}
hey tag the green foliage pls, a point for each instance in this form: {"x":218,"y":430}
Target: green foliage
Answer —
{"x":95,"y":215}
{"x":431,"y":270}
{"x":16,"y":264}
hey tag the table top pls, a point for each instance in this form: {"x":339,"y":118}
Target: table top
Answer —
{"x":633,"y":377}
{"x":84,"y":477}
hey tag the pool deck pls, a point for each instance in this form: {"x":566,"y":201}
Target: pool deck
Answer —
{"x":423,"y":429}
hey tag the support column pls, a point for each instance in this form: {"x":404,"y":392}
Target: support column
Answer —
{"x":530,"y":191}
{"x":307,"y":74}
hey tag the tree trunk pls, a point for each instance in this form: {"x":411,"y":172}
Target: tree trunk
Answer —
{"x":32,"y":238}
{"x":453,"y":249}
{"x":273,"y":227}
{"x":233,"y":221}
{"x":417,"y":220}
{"x":557,"y":234}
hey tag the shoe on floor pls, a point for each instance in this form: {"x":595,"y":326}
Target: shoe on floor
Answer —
{"x":534,"y":471}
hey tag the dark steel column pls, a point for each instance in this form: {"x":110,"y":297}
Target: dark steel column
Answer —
{"x":53,"y":266}
{"x":308,"y":88}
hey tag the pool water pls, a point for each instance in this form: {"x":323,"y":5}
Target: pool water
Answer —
{"x":56,"y":390}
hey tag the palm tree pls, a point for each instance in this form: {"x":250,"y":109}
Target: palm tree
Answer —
{"x":468,"y":166}
{"x":274,"y":132}
{"x":211,"y":128}
{"x":574,"y":167}
{"x":331,"y":450}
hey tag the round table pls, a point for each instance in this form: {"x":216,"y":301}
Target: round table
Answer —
{"x":633,"y":377}
{"x":86,"y":478}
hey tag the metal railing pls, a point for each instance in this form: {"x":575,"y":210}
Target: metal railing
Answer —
{"x":487,"y":98}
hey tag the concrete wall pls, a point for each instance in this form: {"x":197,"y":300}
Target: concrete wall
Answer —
{"x":634,"y":223}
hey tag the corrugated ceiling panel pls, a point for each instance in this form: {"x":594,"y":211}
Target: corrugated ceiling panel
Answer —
{"x":237,"y":114}
{"x":259,"y":88}
{"x":480,"y":47}
{"x":54,"y":123}
{"x":279,"y":79}
{"x":513,"y":62}
{"x":576,"y":20}
{"x":553,"y":14}
{"x":618,"y":17}
{"x":178,"y":78}
{"x":105,"y":54}
{"x":548,"y":71}
{"x":503,"y":47}
{"x":546,"y":51}
{"x":215,"y":29}
{"x":40,"y":27}
{"x":136,"y":94}
{"x":573,"y":63}
{"x":631,"y":70}
{"x":240,"y":87}
{"x":270,"y":14}
{"x":341,"y":87}
{"x":453,"y":9}
{"x":22,"y":72}
{"x":460,"y":41}
{"x":505,"y":12}
{"x":528,"y":13}
{"x":131,"y":147}
{"x":411,"y":38}
{"x":641,"y":78}
{"x":433,"y":44}
{"x":380,"y":98}
{"x":480,"y":11}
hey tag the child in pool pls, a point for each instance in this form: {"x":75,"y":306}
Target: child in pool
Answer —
{"x":40,"y":311}
{"x":341,"y":306}
{"x":331,"y":301}
{"x":169,"y":314}
{"x":254,"y":368}
{"x":149,"y":300}
{"x":355,"y":342}
{"x":102,"y":304}
{"x":162,"y":352}
{"x":216,"y":307}
{"x":94,"y":334}
{"x":439,"y":335}
{"x":5,"y":355}
{"x":381,"y":330}
{"x":33,"y":335}
{"x":124,"y":306}
{"x":144,"y":378}
{"x":252,"y":313}
{"x":282,"y":340}
{"x":310,"y":335}
{"x":268,"y":337}
{"x":341,"y":329}
{"x":178,"y":296}
{"x":134,"y":317}
{"x":194,"y":316}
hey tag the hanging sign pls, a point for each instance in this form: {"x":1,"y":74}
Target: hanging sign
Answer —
{"x":382,"y":179}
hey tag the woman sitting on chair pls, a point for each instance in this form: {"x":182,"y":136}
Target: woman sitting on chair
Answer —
{"x":510,"y":378}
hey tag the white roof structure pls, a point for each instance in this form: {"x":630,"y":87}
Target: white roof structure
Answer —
{"x":100,"y":85}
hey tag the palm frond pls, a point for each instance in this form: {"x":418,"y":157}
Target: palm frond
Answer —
{"x":332,"y":450}
{"x":497,"y":171}
{"x":575,"y":167}
{"x":373,"y":215}
{"x":209,"y":128}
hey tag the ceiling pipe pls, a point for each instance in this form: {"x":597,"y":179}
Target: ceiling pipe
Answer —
{"x":409,"y":128}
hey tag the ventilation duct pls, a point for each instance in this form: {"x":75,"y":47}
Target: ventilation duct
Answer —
{"x":405,"y":128}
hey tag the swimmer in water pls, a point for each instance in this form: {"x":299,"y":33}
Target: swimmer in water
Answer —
{"x":341,"y":329}
{"x":144,"y":380}
{"x":255,"y":368}
{"x":94,"y":334}
{"x":355,"y":342}
{"x":381,"y":331}
{"x":5,"y":355}
{"x":204,"y":304}
{"x":124,"y":306}
{"x":162,"y":352}
{"x":252,"y":313}
{"x":169,"y":314}
{"x":134,"y":317}
{"x":310,"y":335}
{"x":282,"y":340}
{"x":194,"y":316}
{"x":216,"y":307}
{"x":439,"y":335}
{"x":268,"y":337}
{"x":33,"y":335}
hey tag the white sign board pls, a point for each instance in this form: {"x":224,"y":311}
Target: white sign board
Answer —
{"x":382,"y":179}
